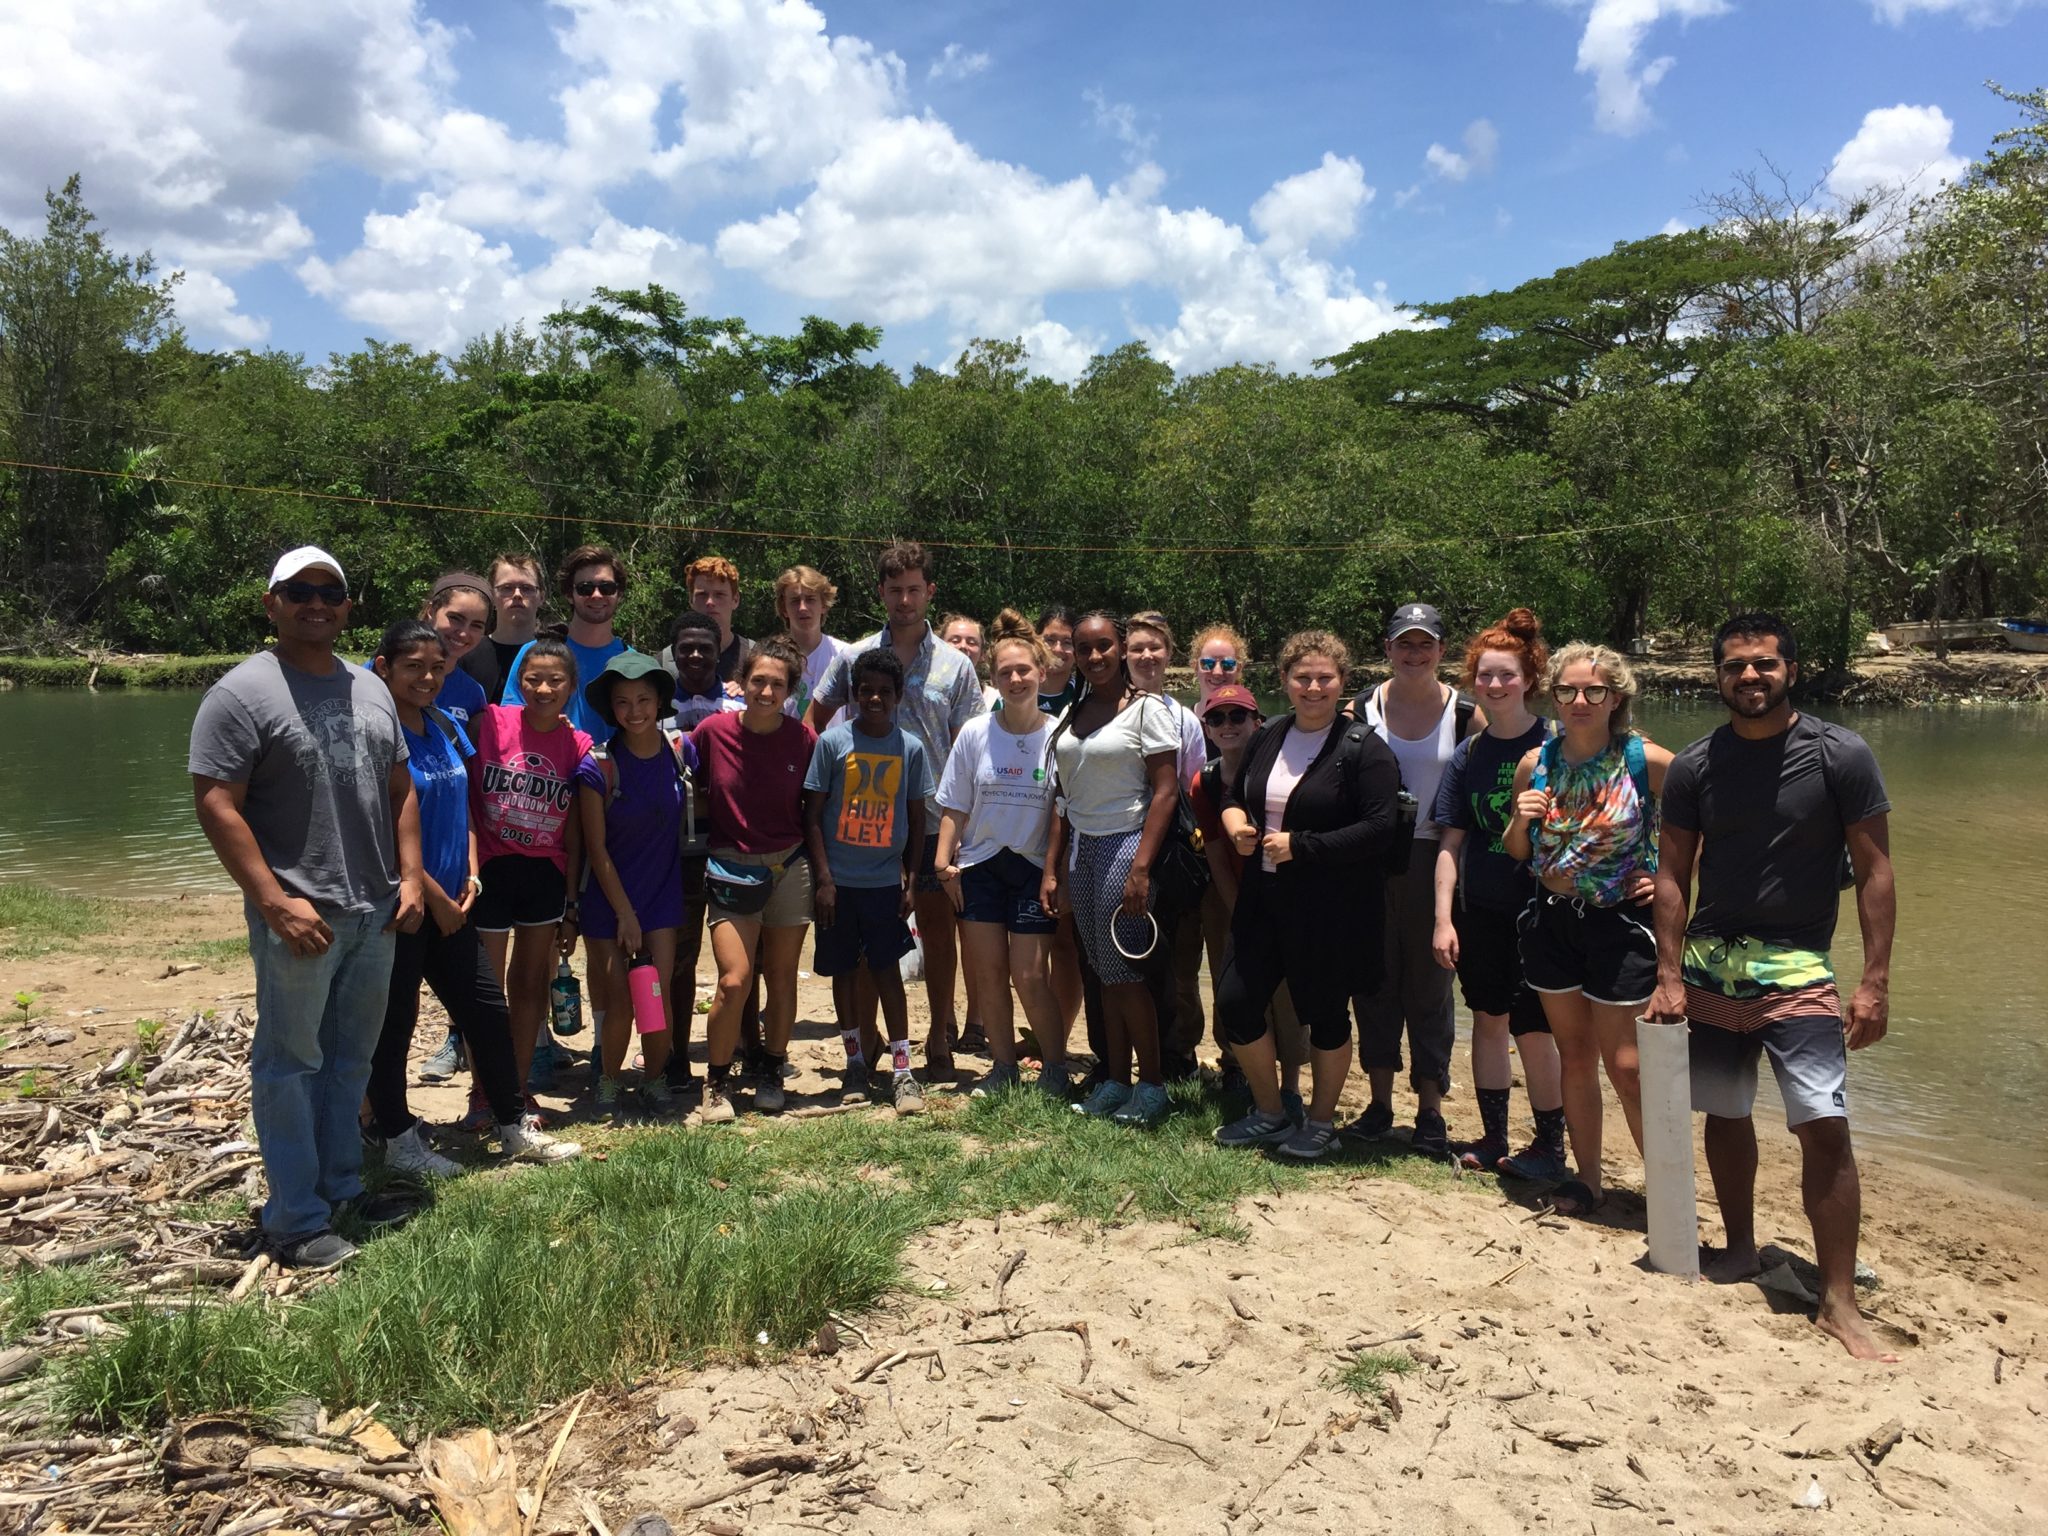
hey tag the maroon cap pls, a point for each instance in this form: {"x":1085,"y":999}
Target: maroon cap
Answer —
{"x":1231,"y":694}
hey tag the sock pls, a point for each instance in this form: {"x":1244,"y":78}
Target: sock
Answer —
{"x":899,"y":1055}
{"x":850,"y":1040}
{"x":1493,"y":1114}
{"x":1550,"y":1130}
{"x":720,"y":1071}
{"x":771,"y":1067}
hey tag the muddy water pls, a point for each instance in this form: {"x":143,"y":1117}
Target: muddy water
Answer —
{"x":96,"y":801}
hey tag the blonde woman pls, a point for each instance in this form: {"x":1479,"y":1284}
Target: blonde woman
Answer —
{"x":1586,"y":818}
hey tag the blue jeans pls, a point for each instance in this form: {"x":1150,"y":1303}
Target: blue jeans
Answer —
{"x":317,"y":1022}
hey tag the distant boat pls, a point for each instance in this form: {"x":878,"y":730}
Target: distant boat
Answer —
{"x":2025,"y":634}
{"x":1943,"y":632}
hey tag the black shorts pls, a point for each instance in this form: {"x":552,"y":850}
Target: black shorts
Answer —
{"x":1608,"y":953}
{"x":518,"y":893}
{"x":866,"y":925}
{"x":1004,"y":891}
{"x":1490,"y":970}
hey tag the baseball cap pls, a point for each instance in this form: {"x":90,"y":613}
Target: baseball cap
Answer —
{"x":1231,"y":695}
{"x":303,"y":558}
{"x":1415,"y":616}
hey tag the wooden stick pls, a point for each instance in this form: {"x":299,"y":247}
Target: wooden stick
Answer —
{"x":251,"y":1275}
{"x":1108,"y":1411}
{"x":1267,"y":1486}
{"x":15,"y":1185}
{"x":705,"y":1500}
{"x":1010,"y":1266}
{"x":540,"y":1487}
{"x":91,"y":1248}
{"x":883,"y":1362}
{"x":1503,"y":1279}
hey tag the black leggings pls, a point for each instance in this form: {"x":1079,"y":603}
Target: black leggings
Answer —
{"x":1271,"y":942}
{"x":456,"y":967}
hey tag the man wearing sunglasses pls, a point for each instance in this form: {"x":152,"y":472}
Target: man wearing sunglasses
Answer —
{"x":592,"y":582}
{"x":1763,"y":809}
{"x":299,"y":774}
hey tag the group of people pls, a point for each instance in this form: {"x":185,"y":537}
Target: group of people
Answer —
{"x":484,"y":795}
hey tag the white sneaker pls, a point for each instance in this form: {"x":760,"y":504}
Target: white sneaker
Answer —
{"x":410,"y":1153}
{"x":523,"y":1144}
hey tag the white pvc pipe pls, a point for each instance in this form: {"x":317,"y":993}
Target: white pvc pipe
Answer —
{"x":1667,"y":1147}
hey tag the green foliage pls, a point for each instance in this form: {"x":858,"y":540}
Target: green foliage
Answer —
{"x":35,"y":919}
{"x":27,"y":1293}
{"x":1364,"y":1375}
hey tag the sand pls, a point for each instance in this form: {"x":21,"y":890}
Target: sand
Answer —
{"x":1558,"y":1385}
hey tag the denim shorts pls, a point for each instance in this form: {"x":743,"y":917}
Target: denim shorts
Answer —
{"x":1004,"y":891}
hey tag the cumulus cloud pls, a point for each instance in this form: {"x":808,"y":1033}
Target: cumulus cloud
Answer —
{"x":1482,"y":147}
{"x":1610,"y":50}
{"x":1982,"y":13}
{"x":208,"y":306}
{"x":1897,"y":147}
{"x":1318,"y":207}
{"x":956,"y":63}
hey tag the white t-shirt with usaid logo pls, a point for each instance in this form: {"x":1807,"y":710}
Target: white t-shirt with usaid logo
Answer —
{"x":1003,"y":785}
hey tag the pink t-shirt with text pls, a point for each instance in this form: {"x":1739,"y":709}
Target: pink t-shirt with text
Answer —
{"x":522,"y":784}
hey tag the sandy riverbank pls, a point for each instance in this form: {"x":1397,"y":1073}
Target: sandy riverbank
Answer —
{"x":1557,"y":1386}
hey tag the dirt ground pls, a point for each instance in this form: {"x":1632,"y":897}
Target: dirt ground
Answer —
{"x":1129,"y":1379}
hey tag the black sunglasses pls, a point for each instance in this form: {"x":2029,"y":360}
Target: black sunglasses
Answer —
{"x":1227,"y":716}
{"x":333,"y":594}
{"x":590,"y":588}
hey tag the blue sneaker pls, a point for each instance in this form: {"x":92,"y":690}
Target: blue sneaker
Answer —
{"x":1106,"y":1100}
{"x":445,"y":1062}
{"x":1146,"y":1106}
{"x":541,"y":1075}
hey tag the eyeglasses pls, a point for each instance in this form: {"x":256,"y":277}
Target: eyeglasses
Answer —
{"x":1766,"y":666}
{"x":333,"y":594}
{"x":517,"y":589}
{"x":1596,"y":693}
{"x":596,"y":588}
{"x":1219,"y":663}
{"x":1227,"y":716}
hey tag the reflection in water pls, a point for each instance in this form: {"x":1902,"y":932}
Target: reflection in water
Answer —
{"x":99,"y":802}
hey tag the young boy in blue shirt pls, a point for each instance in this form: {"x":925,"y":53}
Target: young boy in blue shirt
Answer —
{"x":864,"y":826}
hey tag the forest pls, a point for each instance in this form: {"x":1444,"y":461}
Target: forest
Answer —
{"x":1837,"y":411}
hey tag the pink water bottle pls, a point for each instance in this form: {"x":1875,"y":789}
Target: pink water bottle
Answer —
{"x":644,"y":982}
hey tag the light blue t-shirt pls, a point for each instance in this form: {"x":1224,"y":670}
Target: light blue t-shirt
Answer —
{"x":870,"y":782}
{"x":590,"y":661}
{"x":441,"y":782}
{"x":461,"y":697}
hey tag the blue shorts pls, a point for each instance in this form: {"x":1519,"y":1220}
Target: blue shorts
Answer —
{"x":866,"y":925}
{"x":1004,"y":891}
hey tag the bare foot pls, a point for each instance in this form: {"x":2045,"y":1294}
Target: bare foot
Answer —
{"x":1844,"y":1321}
{"x":1724,"y":1266}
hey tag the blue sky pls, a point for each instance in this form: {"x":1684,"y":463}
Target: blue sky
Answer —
{"x":1226,"y":183}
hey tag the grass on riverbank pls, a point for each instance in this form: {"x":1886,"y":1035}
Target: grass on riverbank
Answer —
{"x":127,"y":672}
{"x":514,"y":1291}
{"x":35,"y":919}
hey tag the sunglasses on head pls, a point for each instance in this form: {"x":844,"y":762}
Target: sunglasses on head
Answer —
{"x":596,"y":588}
{"x":1236,"y":715}
{"x":332,"y":593}
{"x":1596,"y":693}
{"x":1214,"y":663}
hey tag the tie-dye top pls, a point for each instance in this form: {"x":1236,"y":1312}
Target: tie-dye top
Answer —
{"x":1601,"y":831}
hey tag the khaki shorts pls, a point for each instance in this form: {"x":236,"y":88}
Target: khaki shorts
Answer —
{"x":789,"y":903}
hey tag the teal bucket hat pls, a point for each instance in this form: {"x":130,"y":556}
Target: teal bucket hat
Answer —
{"x":634,"y":667}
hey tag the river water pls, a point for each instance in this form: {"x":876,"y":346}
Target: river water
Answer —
{"x":98,"y":802}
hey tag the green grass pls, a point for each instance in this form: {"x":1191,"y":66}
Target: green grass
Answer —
{"x":76,"y":671}
{"x":681,"y":1246}
{"x":35,"y":919}
{"x":1364,"y":1376}
{"x":26,"y":1294}
{"x":214,"y":954}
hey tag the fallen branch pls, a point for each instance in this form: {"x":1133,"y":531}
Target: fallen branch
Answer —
{"x":14,"y":1186}
{"x":1504,"y":1278}
{"x":706,"y":1500}
{"x":1392,"y":1338}
{"x":883,"y":1362}
{"x":1108,"y":1411}
{"x":1267,"y":1486}
{"x":92,"y":1248}
{"x":1078,"y":1329}
{"x":1010,"y":1267}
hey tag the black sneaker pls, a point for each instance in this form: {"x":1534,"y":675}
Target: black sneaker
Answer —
{"x":1377,"y":1120}
{"x":321,"y":1251}
{"x":380,"y":1210}
{"x":1432,"y":1137}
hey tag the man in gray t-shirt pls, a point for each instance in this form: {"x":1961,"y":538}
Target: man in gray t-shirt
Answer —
{"x":299,"y":772}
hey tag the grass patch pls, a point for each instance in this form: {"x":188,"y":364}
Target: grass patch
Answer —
{"x":1365,"y":1375}
{"x":122,"y":672}
{"x":26,"y":1294}
{"x":214,"y":954}
{"x":680,"y":1246}
{"x":35,"y":919}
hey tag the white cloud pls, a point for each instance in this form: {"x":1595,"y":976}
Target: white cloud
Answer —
{"x":1318,"y":207}
{"x":1061,"y":353}
{"x":1482,"y":147}
{"x":1119,"y":119}
{"x":1407,"y":195}
{"x":1897,"y":147}
{"x":209,"y":306}
{"x":1674,"y":226}
{"x":956,"y":63}
{"x":1981,"y":13}
{"x":1610,"y":49}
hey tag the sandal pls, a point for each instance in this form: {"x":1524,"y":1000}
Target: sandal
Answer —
{"x":1584,"y":1201}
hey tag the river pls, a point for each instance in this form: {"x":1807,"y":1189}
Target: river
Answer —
{"x":99,"y":803}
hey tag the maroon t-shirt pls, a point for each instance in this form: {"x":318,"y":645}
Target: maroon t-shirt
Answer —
{"x":753,"y":782}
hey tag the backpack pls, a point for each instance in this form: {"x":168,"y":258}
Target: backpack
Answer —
{"x":1180,"y":874}
{"x":1550,"y":758}
{"x":693,"y":838}
{"x":439,"y":716}
{"x":1847,"y":877}
{"x":1408,"y":809}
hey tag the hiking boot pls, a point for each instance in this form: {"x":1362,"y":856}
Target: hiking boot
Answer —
{"x":1377,"y":1120}
{"x":321,"y":1251}
{"x":1105,"y":1101}
{"x":522,"y":1145}
{"x":408,"y":1152}
{"x":445,"y":1062}
{"x":1432,"y":1137}
{"x":717,"y":1108}
{"x":1146,"y":1106}
{"x":1313,"y":1139}
{"x":998,"y":1077}
{"x":768,"y":1095}
{"x":909,"y":1095}
{"x":1255,"y":1130}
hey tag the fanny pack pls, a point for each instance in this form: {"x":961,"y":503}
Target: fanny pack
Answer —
{"x":741,"y":889}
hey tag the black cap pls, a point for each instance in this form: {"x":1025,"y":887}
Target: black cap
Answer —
{"x":1415,"y":616}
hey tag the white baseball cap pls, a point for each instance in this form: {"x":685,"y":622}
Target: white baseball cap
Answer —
{"x":305,"y":556}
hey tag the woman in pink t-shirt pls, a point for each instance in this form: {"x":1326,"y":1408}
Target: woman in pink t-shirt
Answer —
{"x":522,"y":791}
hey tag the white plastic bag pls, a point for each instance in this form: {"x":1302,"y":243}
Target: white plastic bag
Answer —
{"x":912,"y":964}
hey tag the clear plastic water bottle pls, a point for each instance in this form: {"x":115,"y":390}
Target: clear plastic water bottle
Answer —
{"x":565,"y":1001}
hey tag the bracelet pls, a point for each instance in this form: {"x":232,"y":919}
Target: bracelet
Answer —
{"x":476,"y":883}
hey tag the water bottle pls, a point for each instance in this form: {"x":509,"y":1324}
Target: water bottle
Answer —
{"x":565,"y":1001}
{"x":644,"y":982}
